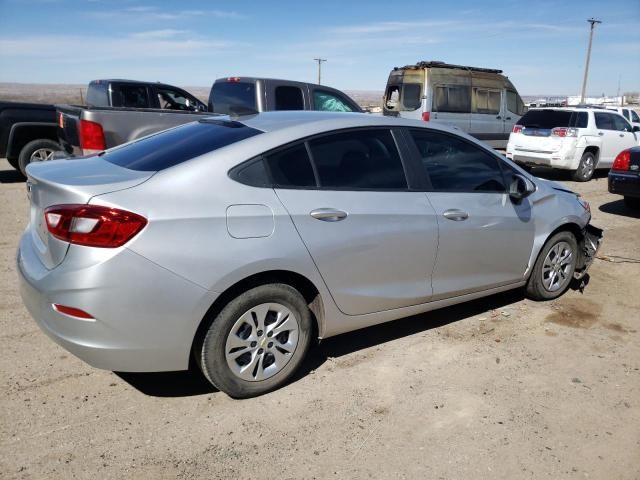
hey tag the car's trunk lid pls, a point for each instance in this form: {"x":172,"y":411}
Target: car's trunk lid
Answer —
{"x":65,"y":182}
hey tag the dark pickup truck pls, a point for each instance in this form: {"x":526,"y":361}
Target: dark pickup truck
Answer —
{"x":27,"y":133}
{"x":120,"y":111}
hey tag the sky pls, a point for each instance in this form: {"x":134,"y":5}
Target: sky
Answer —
{"x":540,"y":45}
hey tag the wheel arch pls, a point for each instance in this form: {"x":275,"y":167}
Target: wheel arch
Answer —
{"x":25,"y":132}
{"x":301,"y":283}
{"x":568,"y":226}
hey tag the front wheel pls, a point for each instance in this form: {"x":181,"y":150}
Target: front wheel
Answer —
{"x":554,"y":268}
{"x":586,"y":167}
{"x":257,"y":341}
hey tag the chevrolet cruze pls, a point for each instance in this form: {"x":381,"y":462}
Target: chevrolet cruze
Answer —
{"x":237,"y":241}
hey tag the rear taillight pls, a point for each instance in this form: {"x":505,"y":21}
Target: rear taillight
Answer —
{"x":622,"y":161}
{"x":93,"y":225}
{"x":72,"y":311}
{"x":564,"y":132}
{"x":426,"y":116}
{"x":91,"y":137}
{"x":517,"y":129}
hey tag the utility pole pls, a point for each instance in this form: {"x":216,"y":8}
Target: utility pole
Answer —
{"x":593,"y":23}
{"x":320,"y":60}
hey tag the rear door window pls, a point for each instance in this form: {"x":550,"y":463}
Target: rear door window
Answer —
{"x":605,"y":121}
{"x":178,"y":145}
{"x":453,"y":98}
{"x":454,"y":165}
{"x":227,"y":95}
{"x":171,"y":99}
{"x":289,"y":98}
{"x":361,"y":159}
{"x":290,"y":168}
{"x":621,"y":124}
{"x":130,"y":96}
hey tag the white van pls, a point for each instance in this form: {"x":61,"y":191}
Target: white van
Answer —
{"x":479,"y":101}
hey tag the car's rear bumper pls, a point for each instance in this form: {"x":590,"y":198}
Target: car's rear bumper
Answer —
{"x":145,"y":317}
{"x":623,"y":183}
{"x":542,"y":159}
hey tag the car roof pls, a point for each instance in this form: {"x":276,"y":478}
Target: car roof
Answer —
{"x":137,"y":82}
{"x":318,"y":121}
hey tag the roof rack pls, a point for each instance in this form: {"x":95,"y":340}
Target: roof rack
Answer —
{"x":439,"y":64}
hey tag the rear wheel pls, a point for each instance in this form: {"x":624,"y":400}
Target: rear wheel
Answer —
{"x":632,"y":202}
{"x":36,"y":151}
{"x":586,"y":168}
{"x":554,"y":268}
{"x":257,"y":341}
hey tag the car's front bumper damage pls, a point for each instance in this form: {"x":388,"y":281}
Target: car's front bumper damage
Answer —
{"x":589,"y":245}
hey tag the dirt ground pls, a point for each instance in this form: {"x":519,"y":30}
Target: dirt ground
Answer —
{"x":497,"y":388}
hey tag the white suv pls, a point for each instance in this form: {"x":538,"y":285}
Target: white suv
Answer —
{"x":577,"y":139}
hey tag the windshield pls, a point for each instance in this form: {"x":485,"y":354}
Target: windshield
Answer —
{"x":549,"y":118}
{"x":233,"y":94}
{"x":178,"y":145}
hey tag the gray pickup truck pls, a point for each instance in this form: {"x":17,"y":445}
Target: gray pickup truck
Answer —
{"x":120,"y":111}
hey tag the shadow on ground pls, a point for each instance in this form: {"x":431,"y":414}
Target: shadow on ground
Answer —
{"x":192,"y":382}
{"x":11,"y":176}
{"x":559,"y":175}
{"x":618,"y":207}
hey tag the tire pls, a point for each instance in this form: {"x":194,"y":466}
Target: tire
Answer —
{"x":632,"y":202}
{"x":36,"y":151}
{"x":586,"y":167}
{"x":541,"y":285}
{"x":244,"y":351}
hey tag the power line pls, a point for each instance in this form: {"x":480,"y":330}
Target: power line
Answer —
{"x":593,"y":23}
{"x":320,"y":60}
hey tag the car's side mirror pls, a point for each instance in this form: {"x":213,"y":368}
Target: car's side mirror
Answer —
{"x":635,"y":128}
{"x":521,"y":187}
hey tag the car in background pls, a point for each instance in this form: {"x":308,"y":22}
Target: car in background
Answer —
{"x":630,"y":114}
{"x":236,"y":241}
{"x":27,"y":133}
{"x":580,"y":140}
{"x":479,"y":101}
{"x":624,"y":177}
{"x":250,"y":94}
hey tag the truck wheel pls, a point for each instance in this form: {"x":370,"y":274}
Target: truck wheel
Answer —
{"x":36,"y":151}
{"x":586,"y":168}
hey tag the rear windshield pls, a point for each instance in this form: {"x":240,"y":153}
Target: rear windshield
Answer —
{"x":232,"y":94}
{"x":553,"y":118}
{"x":178,"y":145}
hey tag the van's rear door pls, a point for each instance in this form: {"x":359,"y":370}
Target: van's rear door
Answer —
{"x":404,"y":94}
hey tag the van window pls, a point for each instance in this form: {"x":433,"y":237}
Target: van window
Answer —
{"x":487,"y":101}
{"x":453,"y":98}
{"x":225,"y":95}
{"x":515,"y":103}
{"x":454,"y":165}
{"x":289,"y":98}
{"x":130,"y":96}
{"x":363,"y":159}
{"x":329,"y":102}
{"x":392,"y":97}
{"x":548,"y":118}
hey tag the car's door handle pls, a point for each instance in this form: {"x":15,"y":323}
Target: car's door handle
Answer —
{"x":456,"y":215}
{"x":622,"y":135}
{"x":499,"y":117}
{"x":508,"y":118}
{"x":328,"y":214}
{"x":601,"y":133}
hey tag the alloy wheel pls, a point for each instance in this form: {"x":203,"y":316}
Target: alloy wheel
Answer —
{"x":556,"y":269}
{"x":261,"y":342}
{"x":41,"y":155}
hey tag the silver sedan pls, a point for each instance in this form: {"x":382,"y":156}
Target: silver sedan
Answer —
{"x":237,"y":241}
